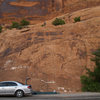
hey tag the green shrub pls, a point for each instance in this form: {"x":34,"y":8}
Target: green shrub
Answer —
{"x":58,"y":21}
{"x":15,"y":25}
{"x":19,"y":25}
{"x":24,"y":23}
{"x":91,"y":81}
{"x":0,"y":29}
{"x":43,"y":25}
{"x":92,"y":87}
{"x":77,"y":19}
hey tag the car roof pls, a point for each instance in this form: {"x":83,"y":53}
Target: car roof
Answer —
{"x":9,"y":81}
{"x":18,"y":83}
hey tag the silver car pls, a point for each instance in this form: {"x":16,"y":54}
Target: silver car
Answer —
{"x":14,"y":88}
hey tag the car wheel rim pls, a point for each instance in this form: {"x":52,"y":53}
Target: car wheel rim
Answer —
{"x":19,"y":94}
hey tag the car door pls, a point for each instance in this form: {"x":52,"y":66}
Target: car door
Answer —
{"x":8,"y":88}
{"x":2,"y":88}
{"x":11,"y":88}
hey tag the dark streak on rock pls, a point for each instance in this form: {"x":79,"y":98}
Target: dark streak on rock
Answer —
{"x":72,"y":45}
{"x":23,"y":46}
{"x":29,"y":38}
{"x":25,"y":31}
{"x":55,"y":38}
{"x":62,"y":57}
{"x":53,"y":33}
{"x":6,"y":52}
{"x":39,"y":33}
{"x":81,"y":54}
{"x":45,"y":56}
{"x":38,"y":40}
{"x":19,"y":48}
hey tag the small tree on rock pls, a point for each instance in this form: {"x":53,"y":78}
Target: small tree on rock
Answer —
{"x":91,"y":81}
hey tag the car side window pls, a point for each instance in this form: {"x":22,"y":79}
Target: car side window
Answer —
{"x":11,"y":84}
{"x":3,"y":84}
{"x":7,"y":84}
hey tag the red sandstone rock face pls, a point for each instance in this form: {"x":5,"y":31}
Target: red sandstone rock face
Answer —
{"x":53,"y":7}
{"x":53,"y":57}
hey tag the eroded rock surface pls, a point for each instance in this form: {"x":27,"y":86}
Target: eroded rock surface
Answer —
{"x":53,"y":57}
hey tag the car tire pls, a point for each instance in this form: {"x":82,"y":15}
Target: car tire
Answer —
{"x":19,"y":93}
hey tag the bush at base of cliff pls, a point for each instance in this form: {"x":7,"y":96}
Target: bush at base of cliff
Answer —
{"x":89,"y":86}
{"x":0,"y":29}
{"x":24,"y":22}
{"x":58,"y":21}
{"x":91,"y":81}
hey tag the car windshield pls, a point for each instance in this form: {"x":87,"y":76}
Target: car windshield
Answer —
{"x":21,"y":83}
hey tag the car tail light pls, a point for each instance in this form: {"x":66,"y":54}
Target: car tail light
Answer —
{"x":29,"y":87}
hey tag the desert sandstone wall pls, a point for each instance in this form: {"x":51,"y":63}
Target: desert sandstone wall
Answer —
{"x":53,"y":57}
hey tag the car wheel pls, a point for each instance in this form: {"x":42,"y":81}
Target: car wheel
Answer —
{"x":19,"y":93}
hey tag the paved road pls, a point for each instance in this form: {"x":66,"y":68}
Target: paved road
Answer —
{"x":57,"y":97}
